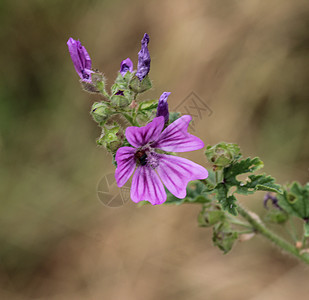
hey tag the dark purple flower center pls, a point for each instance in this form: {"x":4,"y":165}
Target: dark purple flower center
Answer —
{"x":141,"y":157}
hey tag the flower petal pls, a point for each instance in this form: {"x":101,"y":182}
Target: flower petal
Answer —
{"x":176,"y":172}
{"x":143,"y":65}
{"x":162,"y":109}
{"x":175,"y":138}
{"x":81,"y":59}
{"x":140,"y":136}
{"x":125,"y":66}
{"x":146,"y":185}
{"x":125,"y":164}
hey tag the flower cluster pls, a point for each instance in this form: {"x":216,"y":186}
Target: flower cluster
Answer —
{"x":148,"y":146}
{"x":144,"y":142}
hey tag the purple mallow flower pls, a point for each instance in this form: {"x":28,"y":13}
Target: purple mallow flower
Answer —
{"x":151,"y":166}
{"x":162,"y":109}
{"x":81,"y":59}
{"x":126,"y":65}
{"x":143,"y":65}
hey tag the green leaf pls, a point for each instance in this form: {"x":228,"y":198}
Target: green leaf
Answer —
{"x":252,"y":184}
{"x":196,"y":193}
{"x":241,"y":167}
{"x":258,"y":183}
{"x":227,"y":202}
{"x":174,"y":116}
{"x":148,"y":105}
{"x":295,"y":200}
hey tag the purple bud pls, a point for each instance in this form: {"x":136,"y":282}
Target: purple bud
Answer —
{"x":126,"y":65}
{"x":81,"y":59}
{"x":273,"y":200}
{"x":162,"y":109}
{"x":143,"y":65}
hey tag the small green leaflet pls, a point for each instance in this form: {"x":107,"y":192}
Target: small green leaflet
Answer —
{"x":253,"y":183}
{"x":295,"y":201}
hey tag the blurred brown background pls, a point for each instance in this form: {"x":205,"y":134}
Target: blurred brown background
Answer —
{"x":247,"y":60}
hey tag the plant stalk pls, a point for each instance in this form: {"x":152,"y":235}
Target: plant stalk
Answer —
{"x":274,"y":238}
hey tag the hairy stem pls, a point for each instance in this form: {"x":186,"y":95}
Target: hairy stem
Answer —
{"x":130,"y":119}
{"x":260,"y":228}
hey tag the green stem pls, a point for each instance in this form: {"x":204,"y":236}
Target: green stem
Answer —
{"x":245,"y":231}
{"x":260,"y":228}
{"x":293,"y":229}
{"x":219,"y":175}
{"x":239,"y":222}
{"x":106,"y":95}
{"x":130,"y":119}
{"x":103,"y":92}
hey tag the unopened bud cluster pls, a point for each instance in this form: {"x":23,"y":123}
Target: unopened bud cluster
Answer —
{"x":122,"y":99}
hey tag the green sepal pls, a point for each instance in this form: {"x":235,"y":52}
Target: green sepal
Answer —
{"x":223,"y":237}
{"x":210,"y":216}
{"x":99,"y":82}
{"x":118,"y":87}
{"x":89,"y":87}
{"x":222,"y":154}
{"x":100,"y":112}
{"x":111,"y":138}
{"x":122,"y":84}
{"x":120,"y":101}
{"x":140,"y":86}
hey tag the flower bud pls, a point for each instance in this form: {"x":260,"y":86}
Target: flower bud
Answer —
{"x":119,"y":100}
{"x":223,"y":237}
{"x":81,"y":59}
{"x":100,"y":112}
{"x":98,"y":81}
{"x":126,"y":66}
{"x":162,"y":109}
{"x":140,"y":86}
{"x":97,"y":84}
{"x":111,"y":138}
{"x":143,"y":65}
{"x":209,"y":218}
{"x":223,"y":154}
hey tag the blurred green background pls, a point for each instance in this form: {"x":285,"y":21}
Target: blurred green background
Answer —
{"x":247,"y":60}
